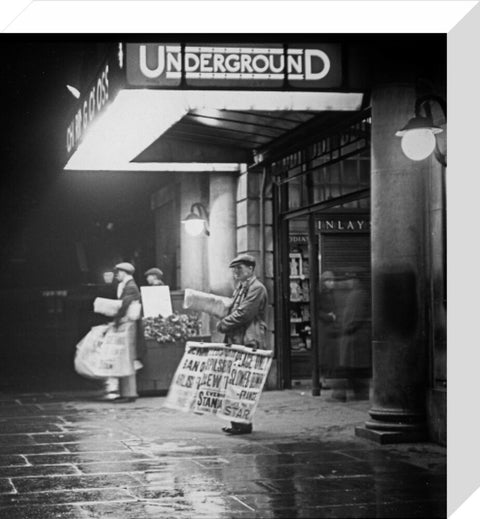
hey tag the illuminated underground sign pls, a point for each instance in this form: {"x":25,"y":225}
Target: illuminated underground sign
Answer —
{"x":90,"y":106}
{"x":222,"y":65}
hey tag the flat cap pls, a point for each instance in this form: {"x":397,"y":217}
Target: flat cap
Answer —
{"x":126,"y":267}
{"x":244,"y":259}
{"x":154,"y":272}
{"x":328,"y":274}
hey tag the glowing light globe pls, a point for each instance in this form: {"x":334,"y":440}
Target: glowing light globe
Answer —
{"x":194,"y":226}
{"x":418,"y":144}
{"x":418,"y":137}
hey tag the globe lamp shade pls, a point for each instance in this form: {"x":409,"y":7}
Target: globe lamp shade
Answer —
{"x":418,"y":144}
{"x":418,"y":138}
{"x":194,"y":225}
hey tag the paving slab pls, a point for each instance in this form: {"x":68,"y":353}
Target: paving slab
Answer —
{"x":70,"y":455}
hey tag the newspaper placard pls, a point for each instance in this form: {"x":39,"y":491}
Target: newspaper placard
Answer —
{"x":156,"y":301}
{"x":104,"y":351}
{"x":226,"y":381}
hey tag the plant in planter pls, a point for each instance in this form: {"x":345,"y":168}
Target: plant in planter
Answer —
{"x":175,"y":327}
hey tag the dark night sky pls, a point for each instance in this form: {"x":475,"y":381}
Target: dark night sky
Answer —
{"x":45,"y":210}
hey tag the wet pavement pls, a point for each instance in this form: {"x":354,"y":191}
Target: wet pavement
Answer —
{"x":68,"y":455}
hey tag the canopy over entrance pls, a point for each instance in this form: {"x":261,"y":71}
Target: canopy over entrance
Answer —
{"x":197,"y":130}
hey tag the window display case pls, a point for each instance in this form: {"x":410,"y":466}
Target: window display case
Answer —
{"x":300,"y":329}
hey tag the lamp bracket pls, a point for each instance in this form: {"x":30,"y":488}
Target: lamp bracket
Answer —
{"x":423,"y":101}
{"x":430,"y":97}
{"x":439,"y":155}
{"x":202,"y":210}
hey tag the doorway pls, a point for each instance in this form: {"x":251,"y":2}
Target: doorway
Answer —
{"x":322,"y":200}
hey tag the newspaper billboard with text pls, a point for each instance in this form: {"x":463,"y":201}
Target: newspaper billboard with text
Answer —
{"x":218,"y":379}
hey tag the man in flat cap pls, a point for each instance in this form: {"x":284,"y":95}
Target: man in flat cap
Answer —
{"x":128,"y":292}
{"x":154,"y":276}
{"x":245,"y":322}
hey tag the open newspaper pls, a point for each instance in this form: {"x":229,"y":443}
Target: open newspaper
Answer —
{"x":212,"y":304}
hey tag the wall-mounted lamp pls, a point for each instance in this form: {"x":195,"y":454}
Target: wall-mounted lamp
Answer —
{"x":196,"y":221}
{"x":419,"y":134}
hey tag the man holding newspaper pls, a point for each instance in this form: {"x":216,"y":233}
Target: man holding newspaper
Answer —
{"x":109,"y":350}
{"x":245,"y":322}
{"x":129,"y":294}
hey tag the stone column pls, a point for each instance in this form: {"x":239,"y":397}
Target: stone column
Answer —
{"x":399,"y":344}
{"x":222,"y":240}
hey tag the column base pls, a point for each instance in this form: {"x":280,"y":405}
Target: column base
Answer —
{"x":390,"y":425}
{"x":385,"y":437}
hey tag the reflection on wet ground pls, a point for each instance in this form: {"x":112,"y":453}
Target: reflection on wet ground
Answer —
{"x":64,"y":456}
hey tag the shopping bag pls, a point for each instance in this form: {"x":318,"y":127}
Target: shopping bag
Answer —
{"x":108,"y":307}
{"x":104,"y":352}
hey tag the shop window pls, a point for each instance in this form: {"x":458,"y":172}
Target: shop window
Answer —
{"x":340,"y":253}
{"x":329,"y":181}
{"x":342,"y":178}
{"x":299,"y":304}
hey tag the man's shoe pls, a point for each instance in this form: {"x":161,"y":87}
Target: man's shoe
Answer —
{"x":238,"y":430}
{"x":124,"y":400}
{"x":235,"y":431}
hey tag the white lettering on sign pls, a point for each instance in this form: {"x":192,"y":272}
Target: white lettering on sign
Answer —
{"x":92,"y":104}
{"x":346,"y":225}
{"x":298,"y":238}
{"x":145,"y":68}
{"x":312,"y":55}
{"x":233,"y":63}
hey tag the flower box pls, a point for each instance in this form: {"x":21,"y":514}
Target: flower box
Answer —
{"x":160,"y":363}
{"x":176,"y":327}
{"x":165,"y":339}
